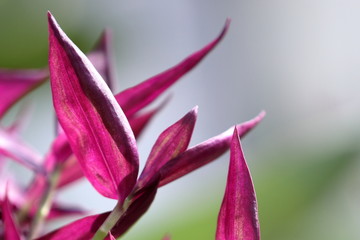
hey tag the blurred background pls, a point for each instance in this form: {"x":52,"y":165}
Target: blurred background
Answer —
{"x":298,"y":60}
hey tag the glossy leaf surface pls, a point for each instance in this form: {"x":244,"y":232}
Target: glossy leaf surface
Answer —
{"x":97,"y":129}
{"x":203,"y":153}
{"x":238,"y":217}
{"x":83,"y":229}
{"x":171,"y":142}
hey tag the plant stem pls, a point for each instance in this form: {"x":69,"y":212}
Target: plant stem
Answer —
{"x":112,"y":219}
{"x":45,"y":203}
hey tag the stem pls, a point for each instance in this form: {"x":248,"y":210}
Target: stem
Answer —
{"x":45,"y":203}
{"x":112,"y":219}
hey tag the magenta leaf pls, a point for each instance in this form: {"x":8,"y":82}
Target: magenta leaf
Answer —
{"x":83,"y":228}
{"x":9,"y":188}
{"x":11,"y":146}
{"x":11,"y":230}
{"x":171,"y":142}
{"x":71,"y":168}
{"x":71,"y":172}
{"x":238,"y":217}
{"x":203,"y":153}
{"x":59,"y":152}
{"x":58,"y":211}
{"x":15,"y":84}
{"x":137,"y":97}
{"x":86,"y":227}
{"x":140,"y":203}
{"x":97,"y":129}
{"x":140,"y":120}
{"x":21,"y":119}
{"x":102,"y":58}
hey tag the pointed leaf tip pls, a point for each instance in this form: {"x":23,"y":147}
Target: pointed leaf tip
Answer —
{"x":205,"y":152}
{"x":139,"y":96}
{"x":171,"y":143}
{"x":238,"y":216}
{"x":246,"y":127}
{"x":16,"y":83}
{"x":14,"y":148}
{"x":139,"y":121}
{"x":102,"y":58}
{"x":97,"y":129}
{"x":11,"y":230}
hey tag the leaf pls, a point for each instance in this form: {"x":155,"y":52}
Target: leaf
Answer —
{"x":102,"y":58}
{"x":140,"y":120}
{"x":140,"y":203}
{"x":71,"y":172}
{"x":171,"y":142}
{"x":11,"y":230}
{"x":86,"y":227}
{"x":97,"y":129}
{"x":10,"y":188}
{"x":11,"y":146}
{"x":203,"y":153}
{"x":59,"y":152}
{"x":59,"y":211}
{"x":238,"y":218}
{"x":21,"y":119}
{"x":139,"y":96}
{"x":71,"y":168}
{"x":15,"y":84}
{"x":83,"y":228}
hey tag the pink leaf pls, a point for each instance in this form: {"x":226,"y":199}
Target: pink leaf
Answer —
{"x":83,"y":228}
{"x":11,"y":146}
{"x":171,"y":142}
{"x":102,"y":58}
{"x":97,"y":129}
{"x":86,"y":227}
{"x":203,"y":153}
{"x":15,"y":84}
{"x":21,"y":119}
{"x":11,"y":230}
{"x":238,"y":218}
{"x":59,"y":152}
{"x":141,"y":201}
{"x":71,"y":172}
{"x":58,"y":211}
{"x":135,"y":98}
{"x":140,"y":120}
